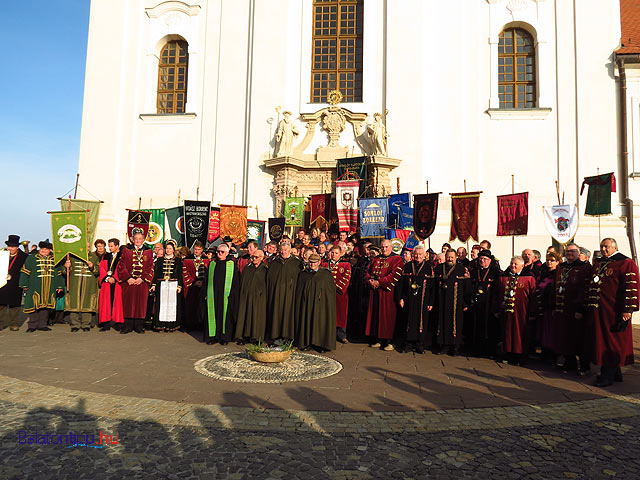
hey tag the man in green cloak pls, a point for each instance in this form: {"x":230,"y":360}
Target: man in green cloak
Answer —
{"x":82,"y":298}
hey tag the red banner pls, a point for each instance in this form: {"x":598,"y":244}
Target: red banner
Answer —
{"x":320,"y":208}
{"x":464,"y":216}
{"x":137,"y":222}
{"x":513,"y":214}
{"x":214,"y":224}
{"x":347,"y":204}
{"x":233,"y":223}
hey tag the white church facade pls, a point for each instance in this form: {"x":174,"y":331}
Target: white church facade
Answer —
{"x":185,"y":98}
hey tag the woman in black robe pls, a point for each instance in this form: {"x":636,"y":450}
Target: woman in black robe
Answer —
{"x":167,"y":268}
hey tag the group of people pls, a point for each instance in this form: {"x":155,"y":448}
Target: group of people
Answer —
{"x":313,"y":291}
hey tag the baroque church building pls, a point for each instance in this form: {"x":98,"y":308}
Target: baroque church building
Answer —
{"x":251,"y":101}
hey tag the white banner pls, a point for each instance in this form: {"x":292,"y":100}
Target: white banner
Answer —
{"x":4,"y":267}
{"x":561,"y":222}
{"x":168,"y":301}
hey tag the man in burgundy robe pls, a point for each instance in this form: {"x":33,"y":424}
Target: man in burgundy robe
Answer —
{"x":341,"y":272}
{"x":512,"y":299}
{"x":136,"y":274}
{"x":571,"y":332}
{"x":110,"y":299}
{"x":244,"y":260}
{"x":613,"y":297}
{"x":382,"y":277}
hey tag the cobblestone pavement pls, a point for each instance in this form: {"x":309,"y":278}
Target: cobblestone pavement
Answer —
{"x":504,"y":425}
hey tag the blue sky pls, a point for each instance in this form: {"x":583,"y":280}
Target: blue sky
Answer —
{"x":43,"y":83}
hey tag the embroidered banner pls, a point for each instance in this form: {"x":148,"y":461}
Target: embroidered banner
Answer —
{"x":353,"y":168}
{"x":92,"y":207}
{"x":175,"y":219}
{"x":405,"y":218}
{"x":69,"y":233}
{"x":137,"y":222}
{"x":513,"y":214}
{"x":155,"y":233}
{"x":425,"y":213}
{"x":214,"y":224}
{"x":395,"y":202}
{"x":373,"y":217}
{"x":233,"y":223}
{"x":464,"y":216}
{"x":347,"y":204}
{"x":276,"y":228}
{"x":561,"y":222}
{"x":320,"y":208}
{"x":255,"y":231}
{"x":196,"y":221}
{"x":599,"y":195}
{"x":294,"y":211}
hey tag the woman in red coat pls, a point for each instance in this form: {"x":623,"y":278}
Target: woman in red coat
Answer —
{"x":110,"y":299}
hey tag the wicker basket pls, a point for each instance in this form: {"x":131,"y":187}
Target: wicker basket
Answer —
{"x":270,"y":357}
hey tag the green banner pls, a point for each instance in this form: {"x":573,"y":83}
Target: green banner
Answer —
{"x":69,"y":233}
{"x":175,"y":220}
{"x":92,"y":207}
{"x":294,"y":211}
{"x":599,"y":196}
{"x":156,"y":226}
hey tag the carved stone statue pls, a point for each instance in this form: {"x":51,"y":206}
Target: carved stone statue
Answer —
{"x":285,"y":134}
{"x":378,"y":135}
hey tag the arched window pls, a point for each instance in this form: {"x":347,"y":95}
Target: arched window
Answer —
{"x":172,"y":77}
{"x":516,"y":69}
{"x":337,"y":49}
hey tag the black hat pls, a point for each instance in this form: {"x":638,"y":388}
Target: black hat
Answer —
{"x":374,"y":248}
{"x":13,"y":241}
{"x":430,"y":250}
{"x":227,"y":239}
{"x":485,"y":253}
{"x":45,"y":244}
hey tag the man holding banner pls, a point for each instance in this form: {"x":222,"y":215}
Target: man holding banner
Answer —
{"x":81,"y":300}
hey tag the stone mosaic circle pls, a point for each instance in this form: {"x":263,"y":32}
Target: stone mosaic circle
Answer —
{"x":238,"y":367}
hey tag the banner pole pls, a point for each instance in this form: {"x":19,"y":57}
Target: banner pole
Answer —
{"x":429,"y":238}
{"x":75,"y":191}
{"x":598,"y":202}
{"x":179,"y":192}
{"x":398,"y":184}
{"x":67,"y":274}
{"x":513,"y":238}
{"x":139,"y":203}
{"x":234,"y":193}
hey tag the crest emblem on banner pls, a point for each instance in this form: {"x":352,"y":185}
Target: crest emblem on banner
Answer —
{"x":69,"y":234}
{"x":275,"y":231}
{"x":347,"y":199}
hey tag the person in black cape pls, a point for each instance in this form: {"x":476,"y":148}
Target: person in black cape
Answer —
{"x":316,"y":307}
{"x":485,"y":330}
{"x":219,"y":327}
{"x":252,"y":309}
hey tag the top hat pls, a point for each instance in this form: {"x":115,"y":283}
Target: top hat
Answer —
{"x":13,"y":241}
{"x":45,"y":244}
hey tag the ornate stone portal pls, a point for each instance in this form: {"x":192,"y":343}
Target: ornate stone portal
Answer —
{"x":305,"y":174}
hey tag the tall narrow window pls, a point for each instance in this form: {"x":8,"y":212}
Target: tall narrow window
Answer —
{"x":172,"y":77}
{"x":516,"y":69}
{"x":337,"y":49}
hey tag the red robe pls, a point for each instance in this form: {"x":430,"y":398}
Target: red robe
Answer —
{"x":341,"y":272}
{"x":381,"y":317}
{"x":571,"y":289}
{"x":110,"y":298}
{"x":190,"y":272}
{"x":513,"y":309}
{"x":137,"y":264}
{"x":613,"y":291}
{"x":242,"y":262}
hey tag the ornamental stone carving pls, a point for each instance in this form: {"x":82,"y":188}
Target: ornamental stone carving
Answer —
{"x":334,"y":121}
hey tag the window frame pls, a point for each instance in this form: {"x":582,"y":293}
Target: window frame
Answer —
{"x":174,"y":110}
{"x":515,"y":83}
{"x":358,"y":68}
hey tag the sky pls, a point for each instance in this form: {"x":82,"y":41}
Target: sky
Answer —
{"x":42,"y":82}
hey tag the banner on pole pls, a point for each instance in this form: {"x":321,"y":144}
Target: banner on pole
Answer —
{"x":92,"y":207}
{"x":599,"y":195}
{"x":255,"y":231}
{"x":464,"y":216}
{"x":196,"y":221}
{"x":396,"y":201}
{"x":276,"y":228}
{"x":233,"y":223}
{"x":294,"y":211}
{"x":353,"y":168}
{"x":373,"y":217}
{"x":561,"y":222}
{"x":137,"y":222}
{"x":425,"y":214}
{"x":214,"y":224}
{"x":513,"y":214}
{"x":175,"y":220}
{"x":155,"y":233}
{"x":69,"y":233}
{"x":320,"y":208}
{"x":347,"y":204}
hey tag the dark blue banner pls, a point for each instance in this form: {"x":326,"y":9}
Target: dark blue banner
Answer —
{"x":373,"y":217}
{"x":405,"y":218}
{"x":395,"y":202}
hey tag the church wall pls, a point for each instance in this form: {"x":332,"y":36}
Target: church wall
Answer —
{"x":436,"y":74}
